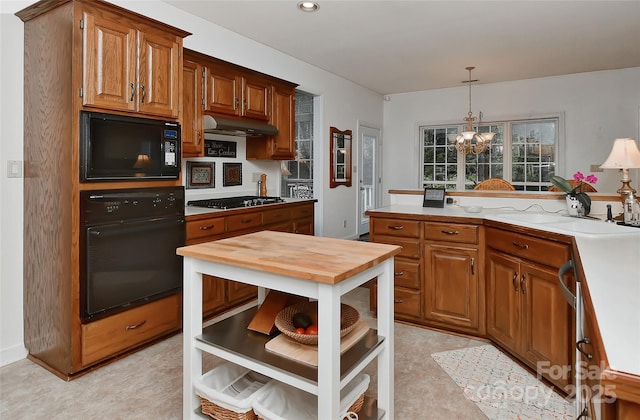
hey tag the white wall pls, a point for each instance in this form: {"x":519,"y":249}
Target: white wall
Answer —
{"x":342,"y":104}
{"x":597,"y":107}
{"x":11,"y":134}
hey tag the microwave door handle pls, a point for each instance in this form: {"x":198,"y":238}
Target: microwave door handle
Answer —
{"x":563,"y":287}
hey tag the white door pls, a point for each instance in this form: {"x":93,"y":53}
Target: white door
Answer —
{"x":369,"y":180}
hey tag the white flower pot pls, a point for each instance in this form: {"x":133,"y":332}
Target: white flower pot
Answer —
{"x":574,"y":207}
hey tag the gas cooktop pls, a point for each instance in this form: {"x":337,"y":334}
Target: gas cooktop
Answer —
{"x":234,"y":202}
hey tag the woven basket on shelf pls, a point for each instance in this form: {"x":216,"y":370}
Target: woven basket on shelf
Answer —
{"x":355,"y":407}
{"x":213,"y":410}
{"x":349,"y":316}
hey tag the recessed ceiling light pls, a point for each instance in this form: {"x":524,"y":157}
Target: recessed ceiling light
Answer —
{"x":308,"y":6}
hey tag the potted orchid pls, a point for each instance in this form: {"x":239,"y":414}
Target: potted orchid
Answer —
{"x":575,"y":193}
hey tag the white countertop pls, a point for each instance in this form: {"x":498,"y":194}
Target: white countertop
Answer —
{"x":610,"y":256}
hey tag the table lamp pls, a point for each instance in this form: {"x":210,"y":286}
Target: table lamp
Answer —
{"x":624,"y":155}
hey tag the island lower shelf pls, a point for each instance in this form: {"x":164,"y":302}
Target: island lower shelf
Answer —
{"x":230,"y":338}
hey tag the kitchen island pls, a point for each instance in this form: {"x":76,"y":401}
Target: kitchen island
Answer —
{"x":315,"y":267}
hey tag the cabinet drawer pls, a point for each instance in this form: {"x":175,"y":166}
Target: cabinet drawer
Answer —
{"x":534,"y":249}
{"x":406,"y":273}
{"x":303,"y":226}
{"x":112,"y":335}
{"x":244,"y":221}
{"x":451,"y":232}
{"x":410,"y":247}
{"x":207,"y":227}
{"x":396,"y":227}
{"x":276,"y":216}
{"x":301,"y":212}
{"x":406,"y":302}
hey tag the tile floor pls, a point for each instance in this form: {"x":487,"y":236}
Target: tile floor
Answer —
{"x":148,"y":384}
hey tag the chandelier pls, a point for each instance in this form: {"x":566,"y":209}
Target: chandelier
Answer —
{"x":471,"y":142}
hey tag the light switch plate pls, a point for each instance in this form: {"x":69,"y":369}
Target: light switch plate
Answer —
{"x":14,"y":169}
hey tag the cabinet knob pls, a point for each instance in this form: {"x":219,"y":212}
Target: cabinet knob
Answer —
{"x":133,"y":92}
{"x":398,"y":273}
{"x":513,"y":281}
{"x":522,"y":284}
{"x":207,"y":227}
{"x":450,"y":232}
{"x":395,"y":227}
{"x":398,"y":301}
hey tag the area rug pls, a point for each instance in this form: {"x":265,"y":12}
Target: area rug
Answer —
{"x":500,"y":387}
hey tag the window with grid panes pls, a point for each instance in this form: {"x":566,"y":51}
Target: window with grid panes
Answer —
{"x":523,"y":152}
{"x":300,"y":182}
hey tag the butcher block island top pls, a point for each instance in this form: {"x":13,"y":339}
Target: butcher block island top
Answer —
{"x":315,"y":258}
{"x":311,"y":266}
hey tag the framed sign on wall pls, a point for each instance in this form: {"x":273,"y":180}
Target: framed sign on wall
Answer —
{"x":231,"y":174}
{"x":201,"y":175}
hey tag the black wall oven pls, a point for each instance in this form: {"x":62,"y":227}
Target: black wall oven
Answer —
{"x":128,"y":247}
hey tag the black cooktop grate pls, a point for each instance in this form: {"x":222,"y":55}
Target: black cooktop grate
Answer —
{"x":234,"y":202}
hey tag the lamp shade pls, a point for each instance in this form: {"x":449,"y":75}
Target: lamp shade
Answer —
{"x":624,"y":155}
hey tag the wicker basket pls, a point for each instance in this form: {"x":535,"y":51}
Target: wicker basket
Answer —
{"x":278,"y":401}
{"x":349,"y":317}
{"x":227,"y":391}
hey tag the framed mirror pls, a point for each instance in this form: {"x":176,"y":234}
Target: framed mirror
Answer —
{"x":340,"y":157}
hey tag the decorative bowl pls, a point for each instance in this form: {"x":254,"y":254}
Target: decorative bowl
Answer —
{"x":349,"y":316}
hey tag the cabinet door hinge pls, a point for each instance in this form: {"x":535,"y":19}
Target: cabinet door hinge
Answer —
{"x":81,"y":23}
{"x":81,"y":92}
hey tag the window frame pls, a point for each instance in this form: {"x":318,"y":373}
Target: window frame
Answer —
{"x":507,"y":163}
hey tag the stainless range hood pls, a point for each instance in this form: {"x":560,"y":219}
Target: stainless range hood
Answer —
{"x":231,"y":127}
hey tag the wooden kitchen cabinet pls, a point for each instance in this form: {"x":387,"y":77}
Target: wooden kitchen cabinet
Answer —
{"x":237,"y":92}
{"x":232,"y":91}
{"x":191,"y":116}
{"x":219,"y":294}
{"x":84,"y":56}
{"x":282,"y":145}
{"x":526,"y":312}
{"x":452,"y":287}
{"x":408,"y":293}
{"x":128,"y":65}
{"x":453,"y":277}
{"x":606,"y":394}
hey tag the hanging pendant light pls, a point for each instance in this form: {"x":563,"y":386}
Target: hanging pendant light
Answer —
{"x":471,"y":142}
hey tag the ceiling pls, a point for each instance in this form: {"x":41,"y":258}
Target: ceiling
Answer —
{"x":405,"y":46}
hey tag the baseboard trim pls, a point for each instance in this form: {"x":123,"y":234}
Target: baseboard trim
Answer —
{"x":12,"y":354}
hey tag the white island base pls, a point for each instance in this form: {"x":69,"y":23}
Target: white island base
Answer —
{"x":310,"y":266}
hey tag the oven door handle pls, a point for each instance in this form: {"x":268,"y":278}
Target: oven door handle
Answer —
{"x":115,"y":229}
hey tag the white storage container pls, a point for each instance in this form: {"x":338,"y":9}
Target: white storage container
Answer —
{"x":231,"y":389}
{"x":278,"y":401}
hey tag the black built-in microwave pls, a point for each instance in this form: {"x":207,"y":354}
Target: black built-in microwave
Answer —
{"x":119,"y":147}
